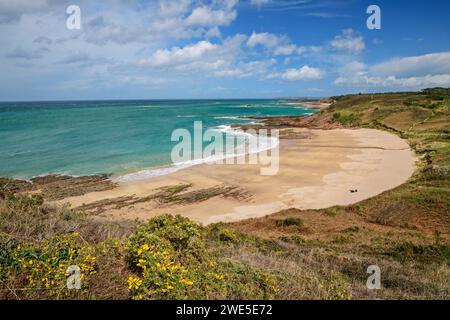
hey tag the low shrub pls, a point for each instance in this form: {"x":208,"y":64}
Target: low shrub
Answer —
{"x":219,"y":232}
{"x":228,"y":235}
{"x":45,"y":265}
{"x":171,"y":262}
{"x":246,"y":282}
{"x":336,"y":286}
{"x":345,"y":119}
{"x":291,"y":221}
{"x":420,"y":252}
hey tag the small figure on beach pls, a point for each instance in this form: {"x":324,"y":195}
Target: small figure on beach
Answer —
{"x":354,"y":190}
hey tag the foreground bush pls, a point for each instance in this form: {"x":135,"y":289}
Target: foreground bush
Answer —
{"x":48,"y":265}
{"x":171,"y":261}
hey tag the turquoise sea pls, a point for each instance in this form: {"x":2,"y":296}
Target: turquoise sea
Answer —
{"x":112,"y":137}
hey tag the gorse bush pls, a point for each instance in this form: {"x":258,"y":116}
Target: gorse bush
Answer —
{"x":171,"y":261}
{"x":45,"y":265}
{"x":228,"y":235}
{"x":336,"y":287}
{"x":161,"y":275}
{"x":219,"y":232}
{"x":244,"y":281}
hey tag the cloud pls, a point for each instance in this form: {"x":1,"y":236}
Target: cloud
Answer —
{"x":264,"y":39}
{"x":343,"y":46}
{"x":20,"y":53}
{"x":415,"y":72}
{"x":352,"y":68}
{"x":303,"y":73}
{"x":213,"y":33}
{"x":260,"y":2}
{"x":377,"y":41}
{"x":178,"y":55}
{"x":285,"y":50}
{"x":348,"y":41}
{"x":101,"y":31}
{"x":433,"y":63}
{"x":205,"y":16}
{"x":230,"y":73}
{"x":12,"y":10}
{"x":325,"y":15}
{"x":247,"y":69}
{"x":161,"y":42}
{"x":365,"y":81}
{"x":278,"y":44}
{"x":315,"y":8}
{"x":221,"y":59}
{"x":181,"y":19}
{"x":43,"y":40}
{"x":189,"y":18}
{"x":79,"y":57}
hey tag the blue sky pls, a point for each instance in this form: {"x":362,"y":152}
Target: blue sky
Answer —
{"x":175,"y":49}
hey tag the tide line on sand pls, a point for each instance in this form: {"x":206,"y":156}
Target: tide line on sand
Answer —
{"x":264,"y":144}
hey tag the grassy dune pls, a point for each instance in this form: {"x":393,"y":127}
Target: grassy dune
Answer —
{"x":293,"y":254}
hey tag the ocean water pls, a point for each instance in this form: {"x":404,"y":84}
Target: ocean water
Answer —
{"x":127,"y":139}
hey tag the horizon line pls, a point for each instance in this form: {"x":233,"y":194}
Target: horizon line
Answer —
{"x":173,"y":99}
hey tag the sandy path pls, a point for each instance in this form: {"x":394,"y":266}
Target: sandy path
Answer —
{"x":315,"y":172}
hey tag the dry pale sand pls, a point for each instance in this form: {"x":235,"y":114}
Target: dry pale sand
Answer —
{"x":312,"y":105}
{"x":315,"y":172}
{"x":315,"y":105}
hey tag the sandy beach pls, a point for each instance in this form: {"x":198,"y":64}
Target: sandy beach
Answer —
{"x":317,"y":105}
{"x":314,"y":104}
{"x":317,"y":170}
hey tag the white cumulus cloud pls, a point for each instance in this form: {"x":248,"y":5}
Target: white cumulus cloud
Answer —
{"x":433,"y":63}
{"x":348,"y":41}
{"x":303,"y":73}
{"x":205,"y":16}
{"x":264,"y":39}
{"x":178,"y":55}
{"x":415,"y":72}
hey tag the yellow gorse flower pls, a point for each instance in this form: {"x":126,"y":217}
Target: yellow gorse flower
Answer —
{"x":50,"y":260}
{"x":134,"y":283}
{"x":187,"y":282}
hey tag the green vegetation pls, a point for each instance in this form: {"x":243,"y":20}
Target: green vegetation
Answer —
{"x":410,"y":251}
{"x":173,"y":258}
{"x":345,"y":119}
{"x":291,"y":221}
{"x":293,"y":254}
{"x":171,"y":261}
